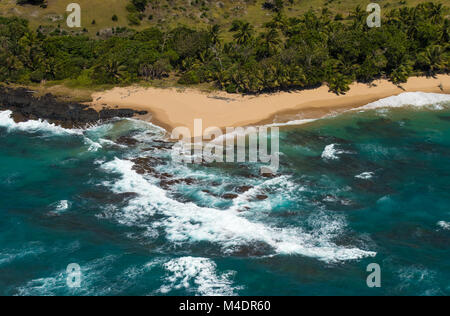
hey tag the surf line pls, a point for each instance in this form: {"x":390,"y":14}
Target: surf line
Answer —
{"x":190,"y":149}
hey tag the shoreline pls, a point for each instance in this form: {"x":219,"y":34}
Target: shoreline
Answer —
{"x":25,"y":105}
{"x":171,"y":108}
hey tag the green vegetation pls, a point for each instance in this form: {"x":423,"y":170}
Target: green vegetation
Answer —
{"x":173,"y":13}
{"x":286,"y":52}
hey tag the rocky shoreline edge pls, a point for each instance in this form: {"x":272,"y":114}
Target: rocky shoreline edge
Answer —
{"x":26,"y":106}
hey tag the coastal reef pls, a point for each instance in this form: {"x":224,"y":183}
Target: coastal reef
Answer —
{"x":25,"y":106}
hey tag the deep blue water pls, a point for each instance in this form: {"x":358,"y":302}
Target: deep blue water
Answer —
{"x":363,"y":187}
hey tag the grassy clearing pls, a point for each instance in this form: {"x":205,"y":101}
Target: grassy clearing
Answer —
{"x":55,"y":14}
{"x":170,"y":13}
{"x":62,"y":91}
{"x":67,"y":90}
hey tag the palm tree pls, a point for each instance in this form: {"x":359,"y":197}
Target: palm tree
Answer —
{"x":113,"y":70}
{"x":401,"y":73}
{"x":325,"y":16}
{"x":13,"y":63}
{"x":445,"y":38}
{"x":271,"y":41}
{"x":358,"y":15}
{"x":31,"y":50}
{"x":434,"y":59}
{"x":244,"y":32}
{"x":9,"y":65}
{"x":436,"y":12}
{"x":214,"y":33}
{"x":277,"y":22}
{"x":339,"y":83}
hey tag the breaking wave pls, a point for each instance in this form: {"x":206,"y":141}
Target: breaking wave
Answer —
{"x":444,"y":225}
{"x":331,"y":152}
{"x":197,"y":275}
{"x":189,"y":223}
{"x":33,"y":126}
{"x":365,"y":175}
{"x":434,"y":101}
{"x":415,"y":99}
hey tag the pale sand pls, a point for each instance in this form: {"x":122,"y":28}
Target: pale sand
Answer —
{"x":172,"y":108}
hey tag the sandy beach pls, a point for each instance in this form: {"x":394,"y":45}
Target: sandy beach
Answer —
{"x":172,"y":108}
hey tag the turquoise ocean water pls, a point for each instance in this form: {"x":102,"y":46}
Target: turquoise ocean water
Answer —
{"x":366,"y":186}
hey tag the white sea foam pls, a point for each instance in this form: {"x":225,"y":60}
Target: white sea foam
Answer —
{"x":365,"y":175}
{"x":62,"y":206}
{"x":158,"y":130}
{"x":30,"y":249}
{"x":281,"y":185}
{"x":416,"y":99}
{"x":198,"y":275}
{"x":189,"y":223}
{"x":33,"y":125}
{"x":291,"y":123}
{"x":108,"y":142}
{"x":93,"y":146}
{"x":92,"y":273}
{"x":444,"y":225}
{"x":90,"y":134}
{"x":331,"y":152}
{"x":47,"y":286}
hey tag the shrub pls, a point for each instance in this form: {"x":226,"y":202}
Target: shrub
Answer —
{"x":189,"y":77}
{"x":133,"y":19}
{"x":37,"y":76}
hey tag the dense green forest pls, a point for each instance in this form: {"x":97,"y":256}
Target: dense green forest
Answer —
{"x":289,"y":53}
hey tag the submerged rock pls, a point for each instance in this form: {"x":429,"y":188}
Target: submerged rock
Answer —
{"x":243,"y":189}
{"x":108,"y":197}
{"x":145,"y":165}
{"x":229,"y":196}
{"x":262,"y":197}
{"x":444,"y":118}
{"x":166,"y":184}
{"x":129,"y":141}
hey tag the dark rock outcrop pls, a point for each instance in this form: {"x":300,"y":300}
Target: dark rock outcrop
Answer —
{"x":243,"y":189}
{"x":229,"y":196}
{"x":129,"y":141}
{"x":261,"y":197}
{"x":26,"y":106}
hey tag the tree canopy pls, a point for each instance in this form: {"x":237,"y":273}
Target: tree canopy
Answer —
{"x":288,"y":53}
